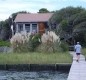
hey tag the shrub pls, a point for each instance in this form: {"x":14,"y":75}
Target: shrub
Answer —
{"x":50,"y":36}
{"x":49,"y":48}
{"x":19,"y":42}
{"x":4,"y":43}
{"x":64,"y":46}
{"x":34,"y":41}
{"x":49,"y":41}
{"x":23,"y":42}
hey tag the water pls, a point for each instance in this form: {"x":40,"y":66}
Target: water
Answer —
{"x":42,"y":75}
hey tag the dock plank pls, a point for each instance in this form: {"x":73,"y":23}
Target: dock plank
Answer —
{"x":78,"y":69}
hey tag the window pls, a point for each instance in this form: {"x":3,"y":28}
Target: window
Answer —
{"x":20,"y":27}
{"x":34,"y":27}
{"x":27,"y":27}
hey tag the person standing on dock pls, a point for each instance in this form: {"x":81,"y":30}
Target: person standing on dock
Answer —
{"x":78,"y":51}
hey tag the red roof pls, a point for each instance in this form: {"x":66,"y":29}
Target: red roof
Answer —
{"x":36,"y":17}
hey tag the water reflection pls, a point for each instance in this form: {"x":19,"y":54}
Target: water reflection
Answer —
{"x":42,"y":75}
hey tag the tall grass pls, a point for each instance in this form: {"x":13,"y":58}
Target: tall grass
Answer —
{"x":35,"y":58}
{"x":48,"y":42}
{"x":84,"y":51}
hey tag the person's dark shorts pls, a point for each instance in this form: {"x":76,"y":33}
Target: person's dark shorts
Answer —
{"x":77,"y":53}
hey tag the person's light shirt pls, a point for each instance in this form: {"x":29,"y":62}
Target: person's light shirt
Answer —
{"x":78,"y":48}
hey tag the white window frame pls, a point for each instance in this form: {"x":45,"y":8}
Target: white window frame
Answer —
{"x":31,"y":26}
{"x":17,"y":27}
{"x":24,"y":26}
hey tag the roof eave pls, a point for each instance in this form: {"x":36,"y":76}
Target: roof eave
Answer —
{"x":29,"y":21}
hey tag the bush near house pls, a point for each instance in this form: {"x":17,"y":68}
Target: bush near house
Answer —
{"x":4,"y":43}
{"x":64,"y":46}
{"x":34,"y":41}
{"x":19,"y":42}
{"x":24,"y":42}
{"x":48,"y":42}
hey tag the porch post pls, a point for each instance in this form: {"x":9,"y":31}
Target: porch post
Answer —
{"x":24,"y":28}
{"x":16,"y":28}
{"x":37,"y":27}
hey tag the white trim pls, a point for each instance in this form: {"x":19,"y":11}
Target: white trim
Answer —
{"x":16,"y":28}
{"x":30,"y":27}
{"x":24,"y":27}
{"x":37,"y":26}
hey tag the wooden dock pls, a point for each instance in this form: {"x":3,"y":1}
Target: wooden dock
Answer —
{"x":78,"y":69}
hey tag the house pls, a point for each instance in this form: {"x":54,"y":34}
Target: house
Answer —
{"x":30,"y":22}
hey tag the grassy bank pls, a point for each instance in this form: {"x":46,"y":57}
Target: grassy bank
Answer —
{"x":84,"y":52}
{"x":35,"y":58}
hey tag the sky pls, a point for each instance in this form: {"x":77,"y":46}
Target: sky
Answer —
{"x":7,"y":7}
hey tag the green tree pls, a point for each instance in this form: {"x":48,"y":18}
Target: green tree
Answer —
{"x":5,"y":26}
{"x":43,"y":10}
{"x":5,"y":29}
{"x":68,"y":21}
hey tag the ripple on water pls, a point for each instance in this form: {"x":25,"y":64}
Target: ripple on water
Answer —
{"x":42,"y":75}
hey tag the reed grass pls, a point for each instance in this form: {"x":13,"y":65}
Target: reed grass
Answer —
{"x":35,"y":58}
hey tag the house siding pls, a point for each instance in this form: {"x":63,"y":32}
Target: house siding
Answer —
{"x":41,"y":19}
{"x":41,"y":27}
